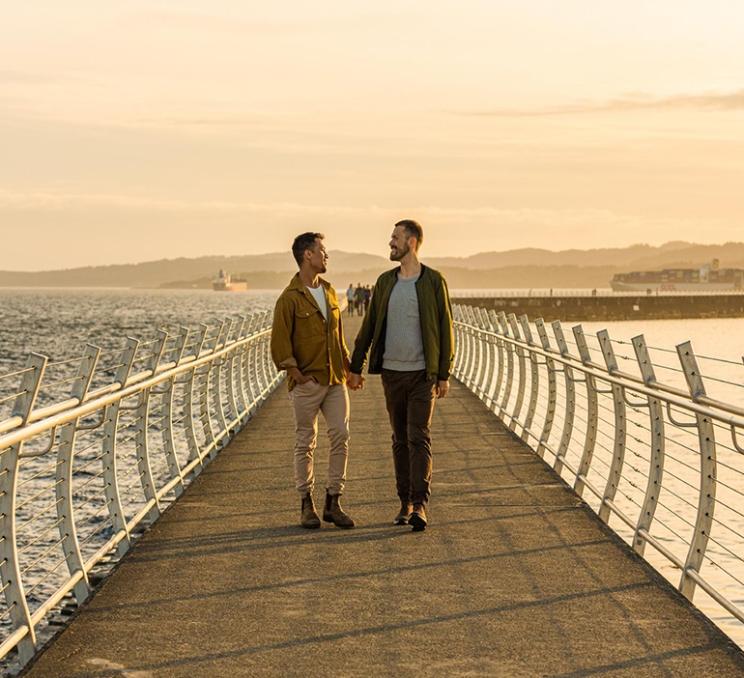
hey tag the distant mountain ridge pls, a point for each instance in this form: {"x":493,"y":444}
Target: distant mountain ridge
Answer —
{"x":641,"y":257}
{"x":527,"y":267}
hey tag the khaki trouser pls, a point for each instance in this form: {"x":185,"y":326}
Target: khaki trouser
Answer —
{"x":333,"y":401}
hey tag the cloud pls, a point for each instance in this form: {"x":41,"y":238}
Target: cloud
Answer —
{"x":544,"y":220}
{"x":12,"y":77}
{"x":699,"y":102}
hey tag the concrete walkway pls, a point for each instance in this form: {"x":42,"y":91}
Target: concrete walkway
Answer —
{"x":515,"y":577}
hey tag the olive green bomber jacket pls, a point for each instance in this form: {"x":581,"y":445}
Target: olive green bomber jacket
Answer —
{"x":302,"y":338}
{"x":435,"y":312}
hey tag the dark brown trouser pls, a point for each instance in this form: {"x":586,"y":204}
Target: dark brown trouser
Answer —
{"x":410,"y":398}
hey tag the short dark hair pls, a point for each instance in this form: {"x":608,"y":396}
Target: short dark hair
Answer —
{"x":413,"y":229}
{"x":304,"y":242}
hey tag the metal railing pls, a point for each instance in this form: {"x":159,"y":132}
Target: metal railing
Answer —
{"x":658,"y":459}
{"x":82,"y":476}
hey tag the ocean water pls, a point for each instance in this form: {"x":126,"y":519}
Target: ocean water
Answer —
{"x":58,"y":323}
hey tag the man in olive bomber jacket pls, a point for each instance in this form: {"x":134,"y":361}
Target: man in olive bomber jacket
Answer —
{"x":408,"y":334}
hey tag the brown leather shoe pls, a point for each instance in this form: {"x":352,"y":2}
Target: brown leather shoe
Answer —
{"x":333,"y":513}
{"x":405,"y":513}
{"x":418,"y":518}
{"x":309,"y":518}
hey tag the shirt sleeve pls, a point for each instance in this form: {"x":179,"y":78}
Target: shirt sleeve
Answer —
{"x":281,"y":335}
{"x":446,"y":333}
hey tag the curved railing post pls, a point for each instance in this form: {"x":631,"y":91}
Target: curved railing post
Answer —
{"x":141,"y":442}
{"x":592,"y":413}
{"x":461,"y":347}
{"x":569,"y":414}
{"x":472,"y":346}
{"x":483,"y":357}
{"x":10,"y":571}
{"x":237,"y":392}
{"x":534,"y":380}
{"x":456,"y":330}
{"x":498,"y":357}
{"x":189,"y":419}
{"x":249,"y":363}
{"x":509,"y":366}
{"x":217,"y":394}
{"x":465,"y":338}
{"x":491,"y":357}
{"x":265,"y":356}
{"x":463,"y":344}
{"x":514,"y":325}
{"x":707,"y":496}
{"x":63,"y":487}
{"x":542,"y":333}
{"x":109,"y":460}
{"x":656,"y":462}
{"x":618,"y":451}
{"x":204,"y":415}
{"x":168,"y":393}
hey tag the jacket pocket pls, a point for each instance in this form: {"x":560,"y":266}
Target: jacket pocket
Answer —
{"x":307,"y":323}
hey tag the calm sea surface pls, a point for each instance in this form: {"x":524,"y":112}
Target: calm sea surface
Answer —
{"x":58,"y":323}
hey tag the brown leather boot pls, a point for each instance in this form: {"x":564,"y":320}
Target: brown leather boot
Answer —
{"x":309,"y":518}
{"x":418,"y":518}
{"x":333,"y":513}
{"x":405,"y":513}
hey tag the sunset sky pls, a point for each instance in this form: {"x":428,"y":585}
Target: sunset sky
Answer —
{"x":132,"y":131}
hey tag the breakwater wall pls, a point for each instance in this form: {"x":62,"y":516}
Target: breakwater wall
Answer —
{"x":640,"y":307}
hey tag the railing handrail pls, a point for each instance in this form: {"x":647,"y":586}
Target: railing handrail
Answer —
{"x":58,"y":414}
{"x":654,"y":389}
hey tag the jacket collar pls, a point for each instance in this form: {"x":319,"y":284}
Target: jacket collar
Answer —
{"x":393,"y":273}
{"x":296,"y":284}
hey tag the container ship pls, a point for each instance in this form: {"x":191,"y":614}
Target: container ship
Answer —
{"x":226,"y":283}
{"x":708,"y":278}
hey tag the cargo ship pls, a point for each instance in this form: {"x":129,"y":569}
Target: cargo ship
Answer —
{"x":226,"y":283}
{"x":707,"y":278}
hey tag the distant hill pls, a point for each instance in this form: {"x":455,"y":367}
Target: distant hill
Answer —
{"x":529,"y":267}
{"x":635,"y":257}
{"x":165,"y":271}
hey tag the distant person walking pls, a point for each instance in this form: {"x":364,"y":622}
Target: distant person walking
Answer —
{"x":409,"y":329}
{"x":350,"y":300}
{"x":359,"y":299}
{"x":367,"y":297}
{"x":307,"y":341}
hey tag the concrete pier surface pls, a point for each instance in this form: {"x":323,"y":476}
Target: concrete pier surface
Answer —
{"x":514,"y":577}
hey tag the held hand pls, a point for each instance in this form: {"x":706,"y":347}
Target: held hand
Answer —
{"x":442,"y":389}
{"x":355,"y":382}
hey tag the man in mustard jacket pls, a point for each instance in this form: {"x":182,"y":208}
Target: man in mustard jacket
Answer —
{"x":307,"y":341}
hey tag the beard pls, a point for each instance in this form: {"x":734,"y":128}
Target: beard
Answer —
{"x":323,"y":268}
{"x":398,"y":253}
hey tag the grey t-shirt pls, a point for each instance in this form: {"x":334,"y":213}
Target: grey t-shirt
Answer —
{"x":404,"y":347}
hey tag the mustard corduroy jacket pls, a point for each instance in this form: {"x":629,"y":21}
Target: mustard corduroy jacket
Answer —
{"x":302,"y":338}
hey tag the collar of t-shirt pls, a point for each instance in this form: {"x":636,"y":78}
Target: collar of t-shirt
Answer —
{"x":319,"y":296}
{"x":412,"y":279}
